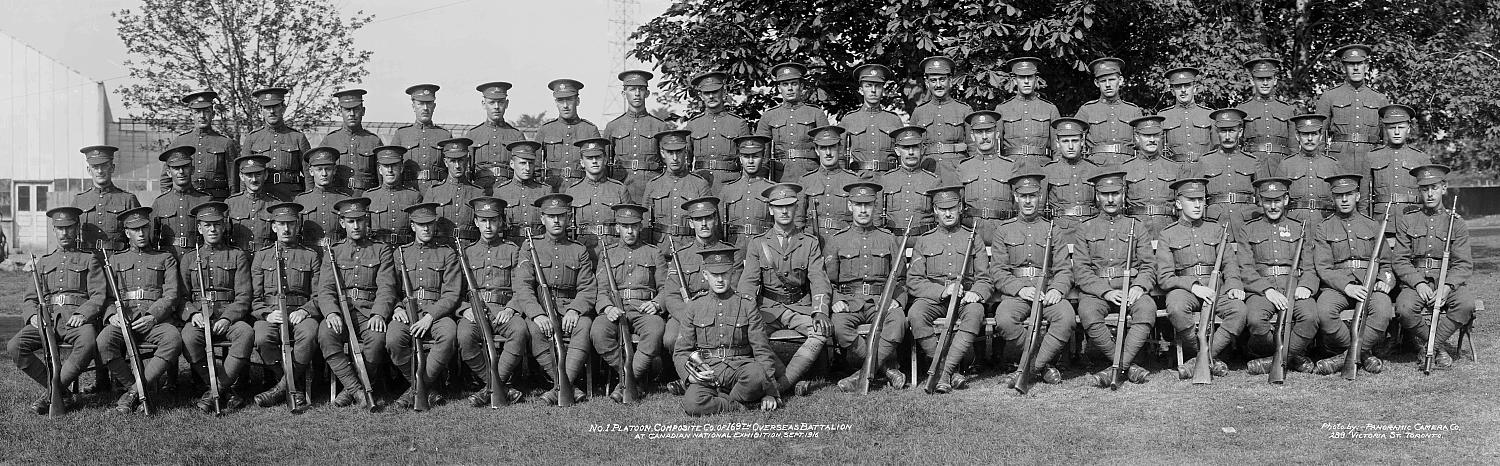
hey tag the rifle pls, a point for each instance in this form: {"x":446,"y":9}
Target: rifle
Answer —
{"x":1202,"y":372}
{"x":627,"y":347}
{"x":1351,"y":355}
{"x":356,"y":347}
{"x":1121,"y":369}
{"x":1277,"y":373}
{"x":49,"y":344}
{"x":1439,"y":295}
{"x":887,"y":294}
{"x":285,"y":332}
{"x":132,"y":351}
{"x":934,"y":371}
{"x":418,"y":358}
{"x":677,"y":265}
{"x":499,"y":396}
{"x":208,"y":330}
{"x":1025,"y":376}
{"x":560,"y":380}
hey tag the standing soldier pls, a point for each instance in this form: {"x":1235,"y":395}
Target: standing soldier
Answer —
{"x":1102,"y":244}
{"x":634,"y":159}
{"x":222,"y":272}
{"x":738,"y":365}
{"x":493,"y":262}
{"x":521,"y":191}
{"x":1390,"y":166}
{"x":425,"y":167}
{"x":568,"y":267}
{"x":905,"y":187}
{"x":1184,"y":259}
{"x":859,"y":259}
{"x":1069,"y":195}
{"x":640,"y":272}
{"x":827,"y":210}
{"x":1341,"y":247}
{"x":1353,"y":110}
{"x":1420,"y":237}
{"x":1267,"y":247}
{"x":1109,"y":117}
{"x":436,"y":286}
{"x":170,"y":212}
{"x":869,"y":128}
{"x":278,"y":141}
{"x":1016,"y":266}
{"x":666,"y":193}
{"x":1149,"y":173}
{"x":1268,"y":120}
{"x":985,"y":174}
{"x":714,"y":130}
{"x":932,"y":279}
{"x":1307,"y":169}
{"x":559,"y":135}
{"x":302,"y":266}
{"x":1027,"y":117}
{"x":452,"y":195}
{"x":151,"y":287}
{"x":318,"y":201}
{"x":703,"y":217}
{"x":1188,"y":125}
{"x":76,"y":291}
{"x":787,"y":124}
{"x":943,"y":118}
{"x":103,"y":202}
{"x":213,"y":161}
{"x":250,"y":224}
{"x":493,"y":137}
{"x":594,"y":195}
{"x":1229,"y":171}
{"x":745,"y":214}
{"x":388,"y":202}
{"x":367,"y":269}
{"x":787,"y":274}
{"x":356,"y":169}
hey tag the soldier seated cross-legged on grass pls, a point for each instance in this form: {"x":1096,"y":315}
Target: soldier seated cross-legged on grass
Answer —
{"x":723,"y":352}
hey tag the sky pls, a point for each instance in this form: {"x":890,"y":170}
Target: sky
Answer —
{"x":456,"y":44}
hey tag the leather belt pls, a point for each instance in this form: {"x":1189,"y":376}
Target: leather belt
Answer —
{"x":361,"y":183}
{"x":1427,"y":263}
{"x":1272,"y":147}
{"x":1352,"y":264}
{"x":1196,"y":270}
{"x":990,"y":213}
{"x":793,"y":154}
{"x":359,"y":294}
{"x":183,"y":241}
{"x":565,"y":172}
{"x":430,"y":174}
{"x":637,"y":165}
{"x":1153,"y":209}
{"x":877,"y":165}
{"x":956,"y":147}
{"x":564,"y":293}
{"x":1013,"y":151}
{"x":1231,"y":198}
{"x":674,"y":230}
{"x":1109,"y":273}
{"x":423,"y":293}
{"x":1026,"y":272}
{"x":791,"y":298}
{"x":1354,"y":137}
{"x":67,"y":298}
{"x":1275,"y":270}
{"x":290,"y":300}
{"x":495,"y":296}
{"x":725,"y":165}
{"x":1310,"y":204}
{"x":916,"y":230}
{"x":392,"y":237}
{"x":210,"y":183}
{"x":141,"y":294}
{"x":596,"y":229}
{"x":865,"y":288}
{"x":1266,"y":140}
{"x":218,"y":296}
{"x":1076,"y":210}
{"x":286,"y":178}
{"x":1116,"y":148}
{"x":747,"y":229}
{"x":637,"y":293}
{"x":1403,"y":198}
{"x":501,"y":171}
{"x":724,"y":352}
{"x":828,"y":223}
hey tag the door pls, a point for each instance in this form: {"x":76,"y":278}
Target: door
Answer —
{"x":31,"y":206}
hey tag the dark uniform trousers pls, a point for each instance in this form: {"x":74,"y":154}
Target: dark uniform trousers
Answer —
{"x":302,"y":267}
{"x":368,"y":272}
{"x":492,"y":267}
{"x":1265,"y":245}
{"x":1018,"y":248}
{"x":567,"y":267}
{"x":728,"y":334}
{"x":639,"y":272}
{"x":1341,"y":251}
{"x":227,"y":270}
{"x":438,"y":285}
{"x":859,"y":261}
{"x":1099,"y":267}
{"x":28,"y":341}
{"x":76,"y":278}
{"x":937,"y":258}
{"x":1418,"y":259}
{"x":1185,"y":254}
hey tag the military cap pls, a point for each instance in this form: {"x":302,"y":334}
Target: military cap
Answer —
{"x":1309,"y":123}
{"x":872,"y":73}
{"x":64,"y":216}
{"x":983,"y":119}
{"x":947,"y":197}
{"x":782,"y":193}
{"x":564,"y":88}
{"x":486,"y":206}
{"x":718,"y":260}
{"x":628,"y":214}
{"x":321,"y":156}
{"x":178,"y":156}
{"x":1396,"y":113}
{"x":133,"y":218}
{"x":635,"y":78}
{"x":1430,"y":174}
{"x":1190,"y":187}
{"x":285,"y":212}
{"x":788,"y":72}
{"x":1353,"y":53}
{"x":456,"y":148}
{"x":1344,"y":182}
{"x":752,"y":145}
{"x":909,"y":136}
{"x":1069,"y":126}
{"x":592,"y":147}
{"x":200,"y":99}
{"x":1110,"y":179}
{"x":390,"y":155}
{"x":1228,"y":117}
{"x":701,"y":207}
{"x":937,"y":65}
{"x":1106,"y":66}
{"x":1271,"y":188}
{"x":423,"y":92}
{"x":99,"y":154}
{"x":554,"y":204}
{"x":1028,"y":179}
{"x":494,"y":90}
{"x":351,"y":98}
{"x":863,"y":191}
{"x":1024,"y":66}
{"x":710,"y":81}
{"x":425,"y":212}
{"x":211,"y":211}
{"x":526,"y":150}
{"x":673,"y":139}
{"x":270,"y":96}
{"x":830,"y":135}
{"x":1183,"y":75}
{"x":253,"y":163}
{"x":354,"y":207}
{"x":1149,"y":124}
{"x":1263,"y":67}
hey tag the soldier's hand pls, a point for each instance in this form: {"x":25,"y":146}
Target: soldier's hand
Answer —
{"x":1302,"y":293}
{"x":569,"y":320}
{"x":821,"y":323}
{"x":1277,"y":299}
{"x":504,"y":316}
{"x":274,"y":317}
{"x":970,"y":297}
{"x":221,"y":326}
{"x":544,"y":325}
{"x":198,"y":320}
{"x":649,"y":308}
{"x":1424,"y":291}
{"x":141,"y":323}
{"x":1136,"y":293}
{"x":35,"y":321}
{"x":1052,"y":297}
{"x":400,"y":316}
{"x":467,"y":313}
{"x":950,"y":290}
{"x":1383,"y":286}
{"x":1357,"y":292}
{"x":297,"y":316}
{"x":769,"y":403}
{"x":840,"y":307}
{"x":1237,"y":294}
{"x":1115,"y":297}
{"x":895,"y":306}
{"x":420,"y":327}
{"x":1029,"y":293}
{"x":335,"y":323}
{"x":376,"y":324}
{"x":114,"y":319}
{"x":1202,"y":292}
{"x":75,"y":320}
{"x":612,"y":313}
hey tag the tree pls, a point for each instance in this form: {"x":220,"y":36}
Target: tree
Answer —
{"x":234,"y":47}
{"x":532,"y":121}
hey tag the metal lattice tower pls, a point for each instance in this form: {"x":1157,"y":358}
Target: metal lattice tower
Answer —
{"x":622,"y":24}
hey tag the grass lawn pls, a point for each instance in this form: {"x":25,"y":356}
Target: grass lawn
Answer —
{"x":1239,"y":418}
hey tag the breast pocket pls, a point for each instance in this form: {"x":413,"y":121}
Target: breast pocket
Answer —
{"x":223,"y":276}
{"x":642,"y":272}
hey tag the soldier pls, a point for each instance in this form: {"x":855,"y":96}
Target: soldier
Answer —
{"x":788,"y":276}
{"x":452,"y":195}
{"x":1149,"y":172}
{"x":715,"y":130}
{"x":1341,"y":248}
{"x":170,"y":212}
{"x":745,"y":214}
{"x":103,"y":202}
{"x":249,"y":224}
{"x":904,"y":187}
{"x":285,"y":300}
{"x":1229,"y":171}
{"x":640,"y":272}
{"x":665,"y":193}
{"x":150,"y":288}
{"x":1266,"y":247}
{"x":521,"y":191}
{"x":212,"y":160}
{"x":1099,"y":265}
{"x":1188,"y":125}
{"x":1184,"y":257}
{"x":493,"y":264}
{"x":737,"y":364}
{"x":859,"y":259}
{"x":634,"y":158}
{"x":943,"y":117}
{"x":388,"y":202}
{"x":1268,"y":120}
{"x":827,"y":210}
{"x":1015,"y":266}
{"x":215,"y":281}
{"x":1307,"y":169}
{"x":569,"y":273}
{"x":74,"y":279}
{"x":1069,"y":195}
{"x":559,"y":135}
{"x":356,"y":168}
{"x":938,"y":257}
{"x":594,"y":195}
{"x":1420,"y":235}
{"x":278,"y":141}
{"x":787,"y":124}
{"x":1026,"y":117}
{"x":703,"y":217}
{"x":1109,"y":117}
{"x":367,"y":269}
{"x":436,"y":286}
{"x":867,"y":129}
{"x":425,"y":159}
{"x":984,"y":174}
{"x":493,"y":137}
{"x":1353,"y":110}
{"x":1390,"y":165}
{"x":321,"y":220}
